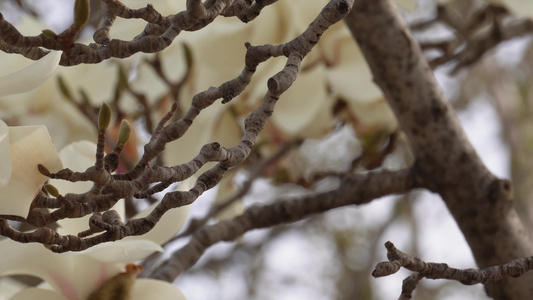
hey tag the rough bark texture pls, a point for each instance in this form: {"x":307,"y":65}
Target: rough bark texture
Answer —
{"x":447,"y":164}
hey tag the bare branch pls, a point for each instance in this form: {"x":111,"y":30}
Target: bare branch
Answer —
{"x":446,"y":161}
{"x":398,"y":259}
{"x":353,"y":189}
{"x":108,"y":188}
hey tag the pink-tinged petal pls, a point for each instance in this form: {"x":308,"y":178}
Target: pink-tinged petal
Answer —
{"x":37,"y":293}
{"x":5,"y":155}
{"x":29,"y":146}
{"x":31,"y":76}
{"x":155,"y":290}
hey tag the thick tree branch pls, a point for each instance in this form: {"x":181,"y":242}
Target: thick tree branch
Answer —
{"x":480,"y":203}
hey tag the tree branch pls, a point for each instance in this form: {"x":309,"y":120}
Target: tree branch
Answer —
{"x":398,"y":259}
{"x":353,"y":189}
{"x":446,"y":161}
{"x":109,"y":188}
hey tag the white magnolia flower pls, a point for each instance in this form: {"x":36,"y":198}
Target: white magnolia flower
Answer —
{"x":73,"y":276}
{"x":520,"y":8}
{"x":31,"y":76}
{"x":22,"y":148}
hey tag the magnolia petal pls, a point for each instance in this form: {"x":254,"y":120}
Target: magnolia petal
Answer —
{"x":409,"y":5}
{"x":232,"y":35}
{"x":31,"y":76}
{"x":521,"y":8}
{"x":29,"y":146}
{"x":10,"y":287}
{"x":97,"y":80}
{"x":36,"y":260}
{"x":123,"y":251}
{"x":171,"y":222}
{"x":227,"y":130}
{"x":72,"y":275}
{"x":351,"y":77}
{"x":37,"y":293}
{"x":305,"y":109}
{"x":155,"y":290}
{"x":199,"y":134}
{"x":226,"y":189}
{"x":5,"y":155}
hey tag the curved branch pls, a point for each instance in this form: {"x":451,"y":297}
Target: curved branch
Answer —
{"x":398,"y":259}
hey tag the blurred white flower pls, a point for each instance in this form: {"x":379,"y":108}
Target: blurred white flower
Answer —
{"x":22,"y":148}
{"x":520,"y":8}
{"x":71,"y":275}
{"x":74,"y":276}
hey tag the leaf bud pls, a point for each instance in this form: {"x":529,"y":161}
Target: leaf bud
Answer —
{"x":49,"y":33}
{"x":81,"y":12}
{"x":104,"y":117}
{"x":63,"y":88}
{"x":124,"y":132}
{"x":188,"y":55}
{"x":52,"y":190}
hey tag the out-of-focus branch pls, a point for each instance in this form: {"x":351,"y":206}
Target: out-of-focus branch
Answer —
{"x":353,"y":189}
{"x":399,"y":259}
{"x":254,"y":174}
{"x":476,"y":33}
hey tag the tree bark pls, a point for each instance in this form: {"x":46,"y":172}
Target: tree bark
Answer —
{"x":446,"y":162}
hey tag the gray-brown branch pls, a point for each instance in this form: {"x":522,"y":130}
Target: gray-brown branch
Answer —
{"x":481,"y":204}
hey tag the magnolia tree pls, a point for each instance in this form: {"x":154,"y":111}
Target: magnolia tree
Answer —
{"x":153,"y":105}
